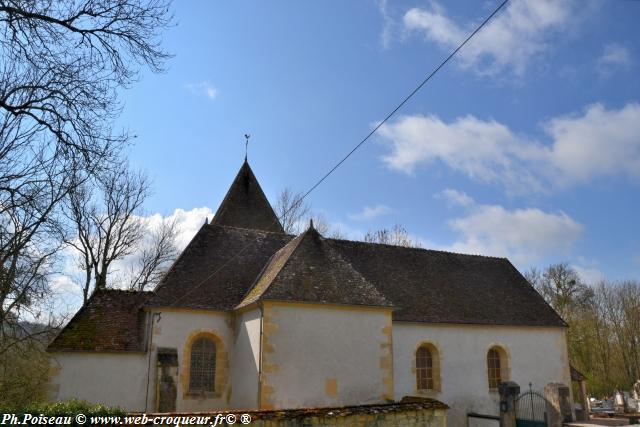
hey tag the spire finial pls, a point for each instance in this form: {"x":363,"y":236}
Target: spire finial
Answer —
{"x":246,"y":145}
{"x":311,"y":223}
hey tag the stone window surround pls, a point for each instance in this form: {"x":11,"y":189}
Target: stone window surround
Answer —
{"x":436,"y":357}
{"x":505,"y":364}
{"x":222,"y":365}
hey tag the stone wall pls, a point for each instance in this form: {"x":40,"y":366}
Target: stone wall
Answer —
{"x":423,"y":413}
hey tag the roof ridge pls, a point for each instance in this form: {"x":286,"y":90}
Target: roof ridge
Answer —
{"x":253,"y":230}
{"x":294,"y":245}
{"x":281,"y":259}
{"x":412,"y":248}
{"x":131,"y":291}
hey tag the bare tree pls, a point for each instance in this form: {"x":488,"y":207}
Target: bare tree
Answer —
{"x":32,"y":183}
{"x":323,"y":227}
{"x":604,"y":320}
{"x":105,"y":222}
{"x":155,"y":257}
{"x":396,"y":236}
{"x":25,"y":366}
{"x":622,"y":311}
{"x":61,"y":65}
{"x":291,"y":210}
{"x":561,"y":286}
{"x":294,"y":215}
{"x":534,"y":277}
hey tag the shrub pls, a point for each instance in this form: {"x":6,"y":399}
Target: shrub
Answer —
{"x":70,"y":407}
{"x":24,"y":374}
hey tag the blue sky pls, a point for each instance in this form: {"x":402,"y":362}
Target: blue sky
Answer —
{"x":526,"y":146}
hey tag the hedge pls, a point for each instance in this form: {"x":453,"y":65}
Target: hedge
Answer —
{"x":68,"y":408}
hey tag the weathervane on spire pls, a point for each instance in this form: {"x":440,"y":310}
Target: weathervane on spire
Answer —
{"x":246,"y":145}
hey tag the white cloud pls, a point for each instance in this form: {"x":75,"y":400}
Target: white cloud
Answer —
{"x":187,"y":222}
{"x":187,"y":225}
{"x":508,"y":42}
{"x":203,"y":88}
{"x":614,"y":56}
{"x":589,"y":275}
{"x":523,"y":235}
{"x":388,"y":23}
{"x":63,"y":285}
{"x":483,"y":150}
{"x":370,"y":212}
{"x":598,"y":142}
{"x":455,"y":198}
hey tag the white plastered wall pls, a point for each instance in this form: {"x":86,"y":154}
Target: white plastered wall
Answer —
{"x":174,"y":330}
{"x":536,"y":355}
{"x":245,"y":360}
{"x":323,"y":356}
{"x":112,"y":379}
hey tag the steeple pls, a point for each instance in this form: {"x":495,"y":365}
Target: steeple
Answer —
{"x":246,"y":206}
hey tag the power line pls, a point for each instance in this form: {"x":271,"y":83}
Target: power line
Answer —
{"x":365,"y":139}
{"x":407,"y":98}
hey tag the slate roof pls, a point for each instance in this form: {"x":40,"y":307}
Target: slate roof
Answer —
{"x":217,"y":268}
{"x":308,"y":269}
{"x":246,"y":206}
{"x":111,"y":320}
{"x":423,"y":285}
{"x":444,"y":287}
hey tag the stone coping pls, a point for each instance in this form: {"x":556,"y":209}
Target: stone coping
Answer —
{"x":408,"y":403}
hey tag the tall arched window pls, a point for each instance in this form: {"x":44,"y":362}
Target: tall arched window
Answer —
{"x":496,"y":367}
{"x":424,"y":368}
{"x":202,"y":372}
{"x":427,"y":368}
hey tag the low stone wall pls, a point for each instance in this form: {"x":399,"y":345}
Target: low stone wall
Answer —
{"x":409,"y":413}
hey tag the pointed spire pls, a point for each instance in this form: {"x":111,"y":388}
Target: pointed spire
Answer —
{"x":246,"y":206}
{"x":311,"y":223}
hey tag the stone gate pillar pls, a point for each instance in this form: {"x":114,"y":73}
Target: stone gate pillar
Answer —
{"x":509,"y":391}
{"x":559,"y":408}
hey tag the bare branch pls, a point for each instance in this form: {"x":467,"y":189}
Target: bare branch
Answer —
{"x":291,"y":210}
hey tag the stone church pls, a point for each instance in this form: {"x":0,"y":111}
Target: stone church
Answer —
{"x":249,"y":317}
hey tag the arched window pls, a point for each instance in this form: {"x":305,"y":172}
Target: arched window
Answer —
{"x":496,"y":367}
{"x":427,"y":368}
{"x":202,"y":372}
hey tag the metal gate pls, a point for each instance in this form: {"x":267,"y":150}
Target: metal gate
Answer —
{"x":531,"y":409}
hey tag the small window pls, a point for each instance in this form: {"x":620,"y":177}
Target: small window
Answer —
{"x":496,"y":367}
{"x":425,"y":368}
{"x":202,"y":372}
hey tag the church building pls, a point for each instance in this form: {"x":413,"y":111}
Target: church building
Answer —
{"x":249,"y":317}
